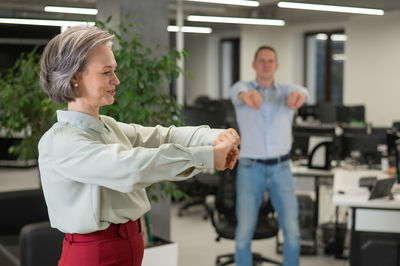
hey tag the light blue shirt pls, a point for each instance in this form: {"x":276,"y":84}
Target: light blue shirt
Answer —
{"x":94,"y":171}
{"x":265,"y":133}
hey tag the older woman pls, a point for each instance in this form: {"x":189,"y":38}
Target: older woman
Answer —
{"x":94,"y":170}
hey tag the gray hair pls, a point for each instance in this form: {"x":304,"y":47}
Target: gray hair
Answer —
{"x":65,"y":55}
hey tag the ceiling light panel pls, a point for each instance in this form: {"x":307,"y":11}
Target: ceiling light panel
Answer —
{"x":188,"y":29}
{"x":235,"y":20}
{"x":71,"y":10}
{"x":330,"y":8}
{"x":229,"y":2}
{"x":44,"y":22}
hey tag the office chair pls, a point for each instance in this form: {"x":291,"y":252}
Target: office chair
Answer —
{"x":40,"y":244}
{"x":197,"y":188}
{"x":25,"y":233}
{"x":206,"y":112}
{"x":221,"y":210}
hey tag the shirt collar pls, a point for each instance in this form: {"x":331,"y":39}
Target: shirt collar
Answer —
{"x":256,"y":85}
{"x":80,"y":120}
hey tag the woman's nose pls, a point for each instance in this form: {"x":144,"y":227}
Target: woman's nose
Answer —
{"x":116,"y":80}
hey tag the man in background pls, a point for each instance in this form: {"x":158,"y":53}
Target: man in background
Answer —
{"x":264,"y":110}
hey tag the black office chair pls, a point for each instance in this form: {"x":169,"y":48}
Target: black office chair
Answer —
{"x":206,"y":112}
{"x":25,"y":233}
{"x":221,"y":209}
{"x":197,"y":188}
{"x":40,"y":244}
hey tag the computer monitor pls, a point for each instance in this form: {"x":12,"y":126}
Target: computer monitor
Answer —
{"x":197,"y":116}
{"x":364,"y":141}
{"x":348,"y":114}
{"x":393,"y":143}
{"x":327,"y":112}
{"x":307,"y":111}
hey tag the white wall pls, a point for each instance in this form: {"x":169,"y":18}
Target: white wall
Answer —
{"x":203,"y":63}
{"x":372,"y":69}
{"x":253,"y":37}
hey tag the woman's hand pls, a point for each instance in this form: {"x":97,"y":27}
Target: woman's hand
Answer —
{"x":225,"y":155}
{"x":228,"y":134}
{"x":226,"y":150}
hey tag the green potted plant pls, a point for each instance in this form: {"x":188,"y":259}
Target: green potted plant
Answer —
{"x":26,"y":111}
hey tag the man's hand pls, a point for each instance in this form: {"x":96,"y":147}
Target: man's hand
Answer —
{"x":225,"y":155}
{"x":228,"y":134}
{"x":295,"y":99}
{"x":252,"y":99}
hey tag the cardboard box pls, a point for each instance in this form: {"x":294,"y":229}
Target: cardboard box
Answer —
{"x":164,"y":253}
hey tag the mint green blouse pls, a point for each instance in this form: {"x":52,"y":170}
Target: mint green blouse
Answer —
{"x":94,"y":171}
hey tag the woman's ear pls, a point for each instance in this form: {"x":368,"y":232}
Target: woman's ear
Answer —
{"x":75,"y":84}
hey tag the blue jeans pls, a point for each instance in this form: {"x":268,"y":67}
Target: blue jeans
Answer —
{"x":251,"y":181}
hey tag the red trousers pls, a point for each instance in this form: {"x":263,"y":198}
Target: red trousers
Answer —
{"x":118,"y":245}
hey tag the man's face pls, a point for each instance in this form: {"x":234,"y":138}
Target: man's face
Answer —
{"x":265,"y":65}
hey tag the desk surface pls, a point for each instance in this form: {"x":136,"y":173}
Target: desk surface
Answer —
{"x":352,"y":195}
{"x":307,"y":172}
{"x":359,"y":199}
{"x":346,"y":181}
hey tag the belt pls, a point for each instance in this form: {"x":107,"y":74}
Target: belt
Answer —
{"x":271,"y":161}
{"x":123,"y":230}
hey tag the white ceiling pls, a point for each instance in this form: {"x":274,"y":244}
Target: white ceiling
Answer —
{"x":267,"y":9}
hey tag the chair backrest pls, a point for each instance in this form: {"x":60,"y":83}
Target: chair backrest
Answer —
{"x":226,"y":197}
{"x":40,"y":245}
{"x":226,"y":194}
{"x":19,"y":208}
{"x":197,"y":116}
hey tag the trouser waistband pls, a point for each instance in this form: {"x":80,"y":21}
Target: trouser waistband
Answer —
{"x":125,"y":230}
{"x":272,"y":161}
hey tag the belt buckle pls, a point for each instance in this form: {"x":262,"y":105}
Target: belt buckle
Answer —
{"x":123,"y":231}
{"x":69,"y":238}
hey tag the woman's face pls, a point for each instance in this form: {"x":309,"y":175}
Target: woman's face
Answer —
{"x":96,"y":83}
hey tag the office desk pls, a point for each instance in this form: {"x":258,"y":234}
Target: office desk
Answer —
{"x":375,"y":226}
{"x":304,"y":171}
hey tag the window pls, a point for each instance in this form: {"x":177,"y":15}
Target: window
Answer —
{"x":325,"y":57}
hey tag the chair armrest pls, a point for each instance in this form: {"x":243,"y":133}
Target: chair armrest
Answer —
{"x":7,"y":256}
{"x":210,"y":202}
{"x":210,"y":207}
